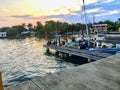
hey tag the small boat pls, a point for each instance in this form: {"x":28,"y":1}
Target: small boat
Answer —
{"x":105,"y":50}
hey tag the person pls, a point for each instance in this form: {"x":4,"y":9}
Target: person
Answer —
{"x":49,"y":42}
{"x":73,"y":39}
{"x":55,"y":41}
{"x":95,"y":42}
{"x":66,"y":40}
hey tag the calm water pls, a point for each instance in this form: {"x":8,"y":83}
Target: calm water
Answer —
{"x":22,"y":60}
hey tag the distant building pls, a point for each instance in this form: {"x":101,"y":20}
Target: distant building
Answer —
{"x":99,"y":28}
{"x":3,"y":34}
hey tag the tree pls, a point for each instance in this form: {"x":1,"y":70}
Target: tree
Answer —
{"x":4,"y":29}
{"x":12,"y":32}
{"x":23,"y":25}
{"x":30,"y":26}
{"x":50,"y":27}
{"x":38,"y":26}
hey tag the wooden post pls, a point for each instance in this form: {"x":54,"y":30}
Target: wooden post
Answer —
{"x":89,"y":60}
{"x":47,"y":50}
{"x":67,"y":56}
{"x":1,"y":85}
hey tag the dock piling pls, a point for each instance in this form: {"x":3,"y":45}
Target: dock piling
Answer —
{"x":47,"y":50}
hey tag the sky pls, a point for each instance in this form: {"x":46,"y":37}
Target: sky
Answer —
{"x":16,"y":12}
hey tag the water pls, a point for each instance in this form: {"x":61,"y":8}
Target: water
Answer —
{"x":22,"y":60}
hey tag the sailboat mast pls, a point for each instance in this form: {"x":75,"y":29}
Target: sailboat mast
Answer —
{"x":86,"y":22}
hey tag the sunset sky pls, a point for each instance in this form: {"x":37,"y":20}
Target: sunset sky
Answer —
{"x":15,"y":12}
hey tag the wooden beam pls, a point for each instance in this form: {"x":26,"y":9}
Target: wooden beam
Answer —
{"x":1,"y":85}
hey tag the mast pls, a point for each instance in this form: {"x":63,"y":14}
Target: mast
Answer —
{"x":84,"y":9}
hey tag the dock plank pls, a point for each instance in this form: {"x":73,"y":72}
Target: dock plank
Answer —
{"x":25,"y":86}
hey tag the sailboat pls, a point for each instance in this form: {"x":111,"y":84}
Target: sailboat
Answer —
{"x":101,"y":50}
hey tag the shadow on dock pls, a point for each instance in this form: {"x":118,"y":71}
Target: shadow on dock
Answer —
{"x":76,"y":60}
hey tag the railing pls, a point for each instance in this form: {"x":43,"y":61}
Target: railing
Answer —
{"x":1,"y":85}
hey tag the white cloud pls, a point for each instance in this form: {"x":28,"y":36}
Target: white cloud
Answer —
{"x":108,"y":13}
{"x":106,"y":1}
{"x":93,"y":10}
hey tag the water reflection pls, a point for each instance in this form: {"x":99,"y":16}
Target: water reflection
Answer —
{"x":22,"y":60}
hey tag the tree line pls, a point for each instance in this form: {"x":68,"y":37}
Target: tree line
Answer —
{"x":53,"y":27}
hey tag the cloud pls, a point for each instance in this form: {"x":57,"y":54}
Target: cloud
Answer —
{"x":65,"y":18}
{"x":26,"y":17}
{"x":103,"y":10}
{"x":109,"y":13}
{"x":93,"y":10}
{"x":62,"y":10}
{"x":3,"y":20}
{"x":65,"y":11}
{"x":22,"y":16}
{"x":106,"y":1}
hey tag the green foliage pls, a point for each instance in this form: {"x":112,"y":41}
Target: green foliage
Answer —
{"x":38,"y":26}
{"x":4,"y":29}
{"x":30,"y":26}
{"x":53,"y":27}
{"x":12,"y":32}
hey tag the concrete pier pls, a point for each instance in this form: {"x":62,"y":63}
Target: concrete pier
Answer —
{"x":100,"y":75}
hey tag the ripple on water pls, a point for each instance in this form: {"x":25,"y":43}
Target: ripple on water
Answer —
{"x":22,"y":60}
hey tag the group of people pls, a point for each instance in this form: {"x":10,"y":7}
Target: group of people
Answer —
{"x":57,"y":41}
{"x":82,"y":43}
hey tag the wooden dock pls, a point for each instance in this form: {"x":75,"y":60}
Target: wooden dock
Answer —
{"x":93,"y":55}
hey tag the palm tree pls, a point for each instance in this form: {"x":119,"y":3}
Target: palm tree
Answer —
{"x":30,"y":26}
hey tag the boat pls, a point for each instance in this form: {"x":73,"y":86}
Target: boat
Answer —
{"x":101,"y":50}
{"x":105,"y":50}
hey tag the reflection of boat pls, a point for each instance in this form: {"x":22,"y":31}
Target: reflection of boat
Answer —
{"x":105,"y":50}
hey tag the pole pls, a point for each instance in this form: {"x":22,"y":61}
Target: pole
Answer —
{"x":93,"y":19}
{"x":86,"y":23}
{"x":1,"y":85}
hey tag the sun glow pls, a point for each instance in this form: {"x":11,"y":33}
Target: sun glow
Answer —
{"x":55,"y":7}
{"x":18,"y":11}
